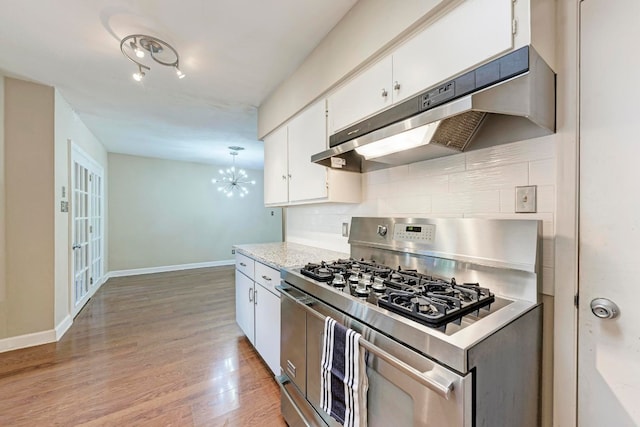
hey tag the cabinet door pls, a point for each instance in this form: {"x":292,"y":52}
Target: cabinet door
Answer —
{"x":362,"y":96}
{"x":307,"y":136}
{"x":268,"y":327}
{"x":475,"y":31}
{"x":244,"y":305}
{"x":275,"y":168}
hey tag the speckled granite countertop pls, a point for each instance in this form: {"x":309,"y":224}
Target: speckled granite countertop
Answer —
{"x":283,"y":254}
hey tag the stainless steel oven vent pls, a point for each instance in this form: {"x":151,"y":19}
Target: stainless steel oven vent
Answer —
{"x":456,"y":132}
{"x":513,"y":95}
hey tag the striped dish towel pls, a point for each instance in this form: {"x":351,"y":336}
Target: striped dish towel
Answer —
{"x":344,"y":383}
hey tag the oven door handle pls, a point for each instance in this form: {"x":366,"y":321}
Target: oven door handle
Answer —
{"x":441,"y":386}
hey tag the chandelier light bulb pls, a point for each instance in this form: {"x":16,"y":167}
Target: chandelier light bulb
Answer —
{"x":179,"y":73}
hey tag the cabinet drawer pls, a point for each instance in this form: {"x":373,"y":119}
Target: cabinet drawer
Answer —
{"x":267,"y":277}
{"x":245,"y":265}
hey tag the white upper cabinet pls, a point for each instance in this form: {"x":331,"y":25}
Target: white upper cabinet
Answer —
{"x":473,"y":32}
{"x":276,"y":182}
{"x":367,"y":93}
{"x":307,"y":136}
{"x":289,"y":175}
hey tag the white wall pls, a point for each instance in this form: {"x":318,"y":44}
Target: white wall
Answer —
{"x":69,"y":129}
{"x":165,"y":213}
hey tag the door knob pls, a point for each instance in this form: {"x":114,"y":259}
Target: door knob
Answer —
{"x":604,"y":308}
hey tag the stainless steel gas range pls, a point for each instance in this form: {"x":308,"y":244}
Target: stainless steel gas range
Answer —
{"x":449,"y":314}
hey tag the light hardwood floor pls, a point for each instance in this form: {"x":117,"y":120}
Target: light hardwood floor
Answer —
{"x":158,"y":350}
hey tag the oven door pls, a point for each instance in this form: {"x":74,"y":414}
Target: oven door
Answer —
{"x":405,"y":388}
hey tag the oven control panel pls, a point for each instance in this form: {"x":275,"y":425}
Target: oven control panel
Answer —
{"x":419,"y":233}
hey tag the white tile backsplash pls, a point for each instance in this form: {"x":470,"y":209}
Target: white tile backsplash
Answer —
{"x":542,"y":172}
{"x":477,"y":184}
{"x":535,"y":149}
{"x":498,"y":178}
{"x":546,"y":198}
{"x":440,"y":166}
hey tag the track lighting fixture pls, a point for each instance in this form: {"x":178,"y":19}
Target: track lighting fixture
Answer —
{"x":136,"y":46}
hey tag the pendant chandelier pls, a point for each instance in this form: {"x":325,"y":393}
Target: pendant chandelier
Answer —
{"x":233,"y":180}
{"x":138,"y":47}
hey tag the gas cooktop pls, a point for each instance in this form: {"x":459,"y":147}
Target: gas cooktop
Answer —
{"x":429,"y":300}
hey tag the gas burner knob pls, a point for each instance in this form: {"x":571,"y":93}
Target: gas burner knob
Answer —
{"x":382,"y":230}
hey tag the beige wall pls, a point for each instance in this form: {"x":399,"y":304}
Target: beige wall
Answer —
{"x":164,"y":212}
{"x":3,"y":279}
{"x":365,"y":32}
{"x":29,"y":218}
{"x":69,"y":129}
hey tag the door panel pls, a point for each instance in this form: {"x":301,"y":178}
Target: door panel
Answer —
{"x":267,"y":323}
{"x":362,"y":96}
{"x":276,"y":181}
{"x":609,"y":350}
{"x":244,"y":305}
{"x":442,"y":49}
{"x":87,"y":214}
{"x":307,"y":136}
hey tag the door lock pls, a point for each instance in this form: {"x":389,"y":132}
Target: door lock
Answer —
{"x":604,"y":308}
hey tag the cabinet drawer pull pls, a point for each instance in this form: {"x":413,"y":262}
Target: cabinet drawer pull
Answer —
{"x":267,"y":278}
{"x":353,"y":131}
{"x":396,"y":86}
{"x":255,"y":297}
{"x":384,"y":93}
{"x":243,"y":264}
{"x":250,"y":294}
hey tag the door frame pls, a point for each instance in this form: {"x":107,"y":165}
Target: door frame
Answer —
{"x":77,"y":153}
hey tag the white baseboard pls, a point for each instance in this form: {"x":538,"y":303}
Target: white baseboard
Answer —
{"x":63,"y":327}
{"x":27,"y":340}
{"x":166,"y":268}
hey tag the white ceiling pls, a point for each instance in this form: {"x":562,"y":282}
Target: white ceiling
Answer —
{"x":234,"y":54}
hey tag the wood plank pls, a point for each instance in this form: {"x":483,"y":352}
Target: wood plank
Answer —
{"x":156,"y":349}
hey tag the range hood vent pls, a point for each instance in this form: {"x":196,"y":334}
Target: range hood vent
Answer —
{"x":508,"y":99}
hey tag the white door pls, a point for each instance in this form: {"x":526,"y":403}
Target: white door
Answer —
{"x":307,"y":136}
{"x":609,"y":349}
{"x":87,"y":228}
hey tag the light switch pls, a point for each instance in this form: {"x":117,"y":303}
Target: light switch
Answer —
{"x":345,"y":229}
{"x":526,"y":199}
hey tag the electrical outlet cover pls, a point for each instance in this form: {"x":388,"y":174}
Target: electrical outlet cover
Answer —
{"x":526,"y":199}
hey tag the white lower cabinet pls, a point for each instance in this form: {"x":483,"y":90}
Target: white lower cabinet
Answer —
{"x":258,"y":308}
{"x":244,"y":305}
{"x":267,"y":327}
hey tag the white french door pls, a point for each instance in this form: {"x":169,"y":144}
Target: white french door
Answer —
{"x":87,"y":216}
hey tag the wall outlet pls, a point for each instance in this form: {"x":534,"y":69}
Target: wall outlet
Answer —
{"x":64,"y":206}
{"x":233,"y":251}
{"x":345,"y":229}
{"x":526,"y":199}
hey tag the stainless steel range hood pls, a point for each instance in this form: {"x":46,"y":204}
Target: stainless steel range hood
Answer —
{"x":508,"y":99}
